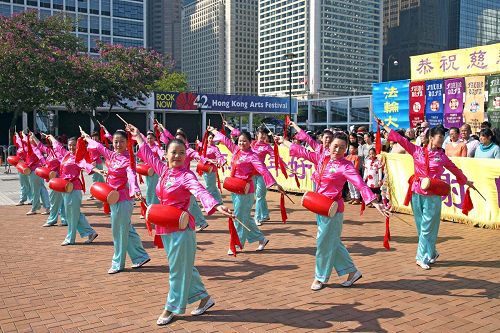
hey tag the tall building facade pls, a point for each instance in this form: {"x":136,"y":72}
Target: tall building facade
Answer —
{"x":111,"y":21}
{"x":219,"y":45}
{"x":334,"y":47}
{"x":164,"y":29}
{"x":413,"y":27}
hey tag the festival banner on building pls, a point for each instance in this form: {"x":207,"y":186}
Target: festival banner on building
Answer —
{"x":417,"y":103}
{"x":474,"y":102}
{"x":190,"y":101}
{"x":391,"y":103}
{"x":494,"y":100}
{"x":453,"y":102}
{"x":434,"y":112}
{"x":480,"y":60}
{"x":486,"y":213}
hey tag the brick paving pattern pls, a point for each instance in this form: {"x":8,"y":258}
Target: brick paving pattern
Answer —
{"x":48,"y":288}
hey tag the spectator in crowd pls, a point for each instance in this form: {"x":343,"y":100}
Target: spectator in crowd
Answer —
{"x":488,"y":147}
{"x":410,"y":134}
{"x":354,"y":159}
{"x":455,"y":146}
{"x":373,"y":173}
{"x":485,"y":124}
{"x":470,"y":142}
{"x":396,"y":148}
{"x":423,"y":127}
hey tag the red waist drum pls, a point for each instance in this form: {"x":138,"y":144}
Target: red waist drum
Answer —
{"x":61,"y":185}
{"x":45,"y":173}
{"x":105,"y":193}
{"x":435,"y":186}
{"x":167,"y":216}
{"x":319,"y":204}
{"x":144,"y":170}
{"x":13,"y":160}
{"x":23,"y":168}
{"x":236,"y":185}
{"x":204,"y":167}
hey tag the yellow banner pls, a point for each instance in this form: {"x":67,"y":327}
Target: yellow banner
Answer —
{"x":303,"y":168}
{"x":487,"y":181}
{"x":474,"y":102}
{"x":480,"y":60}
{"x":400,"y":168}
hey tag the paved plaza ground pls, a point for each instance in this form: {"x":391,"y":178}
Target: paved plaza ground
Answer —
{"x":48,"y":288}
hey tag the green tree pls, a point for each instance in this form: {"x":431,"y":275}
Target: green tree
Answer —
{"x":171,"y":81}
{"x":33,"y":56}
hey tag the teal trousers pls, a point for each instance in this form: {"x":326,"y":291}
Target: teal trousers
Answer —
{"x":211,"y":182}
{"x":261,"y":209}
{"x":125,"y":238}
{"x":330,"y":252}
{"x":195,"y":210}
{"x":26,"y":193}
{"x":242,"y":204}
{"x":184,"y":280}
{"x":56,"y":208}
{"x":427,"y":212}
{"x":40,"y":194}
{"x":151,"y":182}
{"x":76,"y":220}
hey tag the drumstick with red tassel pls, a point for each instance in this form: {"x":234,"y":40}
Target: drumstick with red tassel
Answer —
{"x":122,"y":119}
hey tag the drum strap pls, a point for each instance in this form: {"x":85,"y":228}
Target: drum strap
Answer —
{"x":233,"y":163}
{"x":322,"y":170}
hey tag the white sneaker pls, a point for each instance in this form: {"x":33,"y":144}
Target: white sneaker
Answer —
{"x":113,"y":270}
{"x":433,"y":260}
{"x":139,"y":265}
{"x":353,"y":279}
{"x":31,"y":212}
{"x":202,"y":310}
{"x":45,"y":212}
{"x":65,"y":243}
{"x":259,"y":223}
{"x":262,"y":244}
{"x":424,"y":266}
{"x":316,"y":285}
{"x":91,"y":238}
{"x":202,"y":227}
{"x":165,"y":320}
{"x":20,"y":203}
{"x":230,"y":253}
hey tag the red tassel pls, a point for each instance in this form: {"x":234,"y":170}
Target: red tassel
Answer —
{"x":158,"y":242}
{"x":297,"y":181}
{"x":14,"y":140}
{"x":218,"y":180}
{"x":141,"y":181}
{"x":284,"y":217}
{"x":204,"y":144}
{"x":276,"y":157}
{"x":378,"y":141}
{"x":106,"y":208}
{"x":130,"y":147}
{"x":408,"y":191}
{"x":157,"y":131}
{"x":285,"y":128}
{"x":467,"y":205}
{"x":223,"y":130}
{"x":22,"y":141}
{"x":102,"y":135}
{"x":387,"y":236}
{"x":234,"y":240}
{"x":363,"y":207}
{"x":81,"y":150}
{"x":82,"y":180}
{"x":283,"y":169}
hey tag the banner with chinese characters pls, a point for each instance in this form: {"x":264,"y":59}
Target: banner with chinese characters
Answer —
{"x":417,"y":103}
{"x":303,"y":168}
{"x":474,"y":102}
{"x":480,"y":60}
{"x":391,"y":103}
{"x":434,"y":102}
{"x":453,"y":102}
{"x":494,"y":100}
{"x":485,"y":213}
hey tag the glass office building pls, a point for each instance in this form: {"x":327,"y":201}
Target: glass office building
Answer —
{"x":111,"y":21}
{"x":337,"y":46}
{"x":413,"y":27}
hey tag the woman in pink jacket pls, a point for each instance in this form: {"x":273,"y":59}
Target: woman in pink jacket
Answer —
{"x":332,"y":172}
{"x":174,"y":188}
{"x":244,"y":164}
{"x":122,"y":178}
{"x":71,"y":171}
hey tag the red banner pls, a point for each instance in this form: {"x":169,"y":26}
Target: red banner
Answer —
{"x":417,"y":103}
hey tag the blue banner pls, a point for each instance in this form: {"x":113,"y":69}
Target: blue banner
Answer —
{"x":190,"y":101}
{"x":391,"y":103}
{"x":434,"y":108}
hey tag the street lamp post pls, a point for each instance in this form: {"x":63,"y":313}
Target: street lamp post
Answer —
{"x":290,"y":57}
{"x":395,"y":63}
{"x":199,"y":111}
